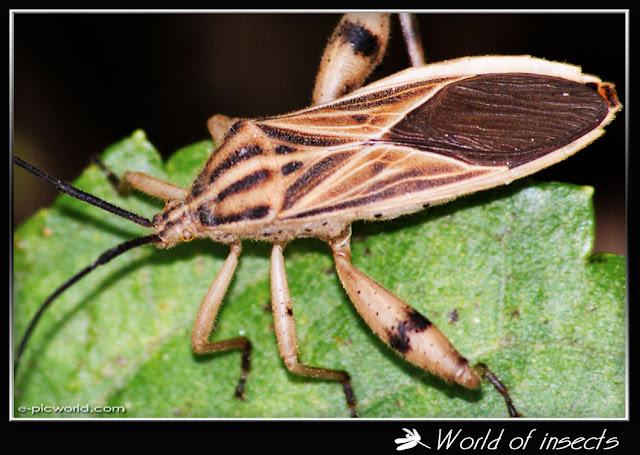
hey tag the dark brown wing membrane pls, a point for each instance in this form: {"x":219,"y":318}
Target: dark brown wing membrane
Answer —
{"x":502,"y":119}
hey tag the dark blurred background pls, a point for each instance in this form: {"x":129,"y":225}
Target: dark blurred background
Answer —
{"x":84,"y":81}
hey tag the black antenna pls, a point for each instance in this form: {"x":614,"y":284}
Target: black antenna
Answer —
{"x":86,"y":197}
{"x":102,"y":259}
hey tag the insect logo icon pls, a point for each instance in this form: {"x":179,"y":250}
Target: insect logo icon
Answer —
{"x":411,"y":439}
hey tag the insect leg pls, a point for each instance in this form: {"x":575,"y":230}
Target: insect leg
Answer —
{"x":285,"y":329}
{"x":484,"y":370}
{"x":399,"y":325}
{"x":355,"y":48}
{"x":408,"y":332}
{"x":154,"y":186}
{"x":207,"y":315}
{"x":146,"y":183}
{"x":218,"y":125}
{"x":411,"y":34}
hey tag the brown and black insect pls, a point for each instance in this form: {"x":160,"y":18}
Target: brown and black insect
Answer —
{"x":417,"y":138}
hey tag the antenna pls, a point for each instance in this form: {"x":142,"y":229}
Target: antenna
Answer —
{"x":102,"y":259}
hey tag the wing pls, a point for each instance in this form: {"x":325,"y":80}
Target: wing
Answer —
{"x":430,"y":134}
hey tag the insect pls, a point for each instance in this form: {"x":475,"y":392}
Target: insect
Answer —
{"x":418,"y":138}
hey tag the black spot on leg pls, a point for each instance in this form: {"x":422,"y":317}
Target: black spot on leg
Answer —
{"x":399,"y":343}
{"x":400,"y":340}
{"x":400,"y":336}
{"x":416,"y":321}
{"x":362,"y":40}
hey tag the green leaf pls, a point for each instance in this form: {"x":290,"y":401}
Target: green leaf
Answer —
{"x":506,"y":274}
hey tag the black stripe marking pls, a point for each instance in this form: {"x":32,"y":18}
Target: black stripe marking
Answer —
{"x":386,"y":96}
{"x":205,"y":216}
{"x":254,"y":213}
{"x":295,"y":137}
{"x":244,"y":184}
{"x":313,"y":177}
{"x":234,"y":128}
{"x":284,"y":149}
{"x":400,"y":188}
{"x":234,"y":158}
{"x":398,"y":177}
{"x":291,"y":167}
{"x":198,"y":187}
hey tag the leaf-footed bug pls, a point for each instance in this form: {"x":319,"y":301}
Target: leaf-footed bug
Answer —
{"x":234,"y":189}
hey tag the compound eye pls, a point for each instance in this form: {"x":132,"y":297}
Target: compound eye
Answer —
{"x":186,"y":235}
